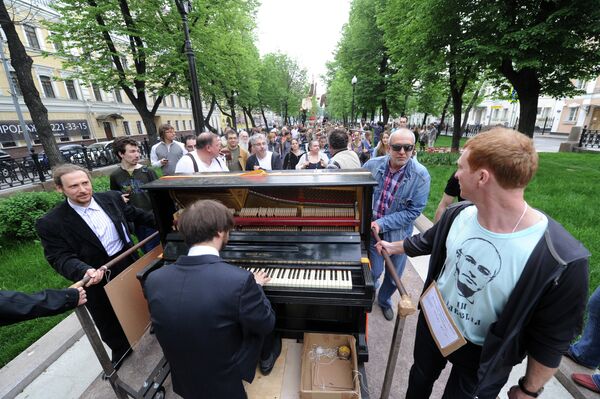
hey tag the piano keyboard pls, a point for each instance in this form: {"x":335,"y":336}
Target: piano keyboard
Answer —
{"x":306,"y":278}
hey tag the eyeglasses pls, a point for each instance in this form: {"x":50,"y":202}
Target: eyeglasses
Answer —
{"x":405,"y":147}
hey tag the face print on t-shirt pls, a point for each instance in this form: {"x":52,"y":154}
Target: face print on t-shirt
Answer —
{"x":478,"y":262}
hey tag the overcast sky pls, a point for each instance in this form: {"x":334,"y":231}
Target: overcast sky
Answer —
{"x":306,"y":30}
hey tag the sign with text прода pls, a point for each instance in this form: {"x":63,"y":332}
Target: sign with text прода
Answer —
{"x":11,"y":130}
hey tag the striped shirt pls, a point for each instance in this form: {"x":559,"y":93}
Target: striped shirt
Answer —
{"x":391,"y":182}
{"x":102,"y":226}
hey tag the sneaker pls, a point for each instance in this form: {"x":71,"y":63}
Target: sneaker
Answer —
{"x":388,"y":313}
{"x":585,"y":380}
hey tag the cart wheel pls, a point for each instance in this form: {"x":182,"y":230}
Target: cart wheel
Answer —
{"x":160,"y":393}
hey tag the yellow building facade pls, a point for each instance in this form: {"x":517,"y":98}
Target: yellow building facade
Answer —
{"x":78,"y":111}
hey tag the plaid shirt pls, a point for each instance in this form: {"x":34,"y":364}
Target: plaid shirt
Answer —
{"x":391,"y":182}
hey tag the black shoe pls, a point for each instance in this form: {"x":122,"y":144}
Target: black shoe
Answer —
{"x":266,"y":366}
{"x":388,"y":313}
{"x":120,"y":355}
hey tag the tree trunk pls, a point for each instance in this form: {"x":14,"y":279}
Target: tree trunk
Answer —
{"x":207,"y":124}
{"x":457,"y":133}
{"x":285,"y":113}
{"x":468,"y":110}
{"x":373,"y":115}
{"x":233,"y":116}
{"x":262,"y":112}
{"x":528,"y":88}
{"x":424,"y":119}
{"x":385,"y":111}
{"x":248,"y":111}
{"x":439,"y":129}
{"x":22,"y":63}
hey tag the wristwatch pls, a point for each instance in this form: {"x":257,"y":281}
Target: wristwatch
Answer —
{"x":527,"y":392}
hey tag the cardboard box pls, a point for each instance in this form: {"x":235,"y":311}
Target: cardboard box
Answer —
{"x":324,"y":375}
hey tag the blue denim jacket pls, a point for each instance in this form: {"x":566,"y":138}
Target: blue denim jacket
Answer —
{"x":409,"y":201}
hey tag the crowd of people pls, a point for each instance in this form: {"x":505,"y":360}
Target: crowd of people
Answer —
{"x":513,"y":280}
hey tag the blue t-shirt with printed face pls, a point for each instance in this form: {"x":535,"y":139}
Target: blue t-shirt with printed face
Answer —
{"x":481,"y":270}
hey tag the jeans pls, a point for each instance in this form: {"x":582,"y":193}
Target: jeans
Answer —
{"x":587,"y":349}
{"x":388,"y":287}
{"x":142,"y":232}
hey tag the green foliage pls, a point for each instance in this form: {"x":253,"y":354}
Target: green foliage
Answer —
{"x":101,"y":183}
{"x":20,"y":212}
{"x":283,"y":84}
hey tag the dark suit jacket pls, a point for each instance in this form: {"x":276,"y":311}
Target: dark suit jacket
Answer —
{"x":210,"y":319}
{"x":253,"y":161}
{"x":19,"y":306}
{"x":71,"y":247}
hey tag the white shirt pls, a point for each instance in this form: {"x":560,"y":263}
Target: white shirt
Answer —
{"x":304,"y":158}
{"x":185,"y":165}
{"x":265,"y":163}
{"x":102,"y":226}
{"x":198,"y":250}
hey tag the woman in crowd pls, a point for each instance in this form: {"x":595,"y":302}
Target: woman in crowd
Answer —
{"x":291,"y":159}
{"x":314,"y":158}
{"x":383,"y":146}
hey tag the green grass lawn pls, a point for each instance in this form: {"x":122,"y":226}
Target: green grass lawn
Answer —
{"x":24,"y":268}
{"x":565,"y":187}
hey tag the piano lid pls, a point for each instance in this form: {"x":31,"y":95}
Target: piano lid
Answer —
{"x":279,"y":178}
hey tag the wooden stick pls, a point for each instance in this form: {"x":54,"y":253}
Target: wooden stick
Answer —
{"x":405,"y":305}
{"x":109,"y":264}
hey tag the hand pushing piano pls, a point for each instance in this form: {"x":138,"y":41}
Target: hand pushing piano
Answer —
{"x":308,"y":230}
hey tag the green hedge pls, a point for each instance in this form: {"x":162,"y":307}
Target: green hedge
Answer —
{"x":20,"y":212}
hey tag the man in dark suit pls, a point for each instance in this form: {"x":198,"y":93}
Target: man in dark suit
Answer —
{"x":210,"y":317}
{"x":82,"y":234}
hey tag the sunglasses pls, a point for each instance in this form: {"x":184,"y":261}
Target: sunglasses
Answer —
{"x":405,"y":147}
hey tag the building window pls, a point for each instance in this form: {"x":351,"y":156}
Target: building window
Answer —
{"x":191,"y":126}
{"x":126,"y":128}
{"x":169,"y":123}
{"x":47,"y":86}
{"x":180,"y":106}
{"x":139,"y":127}
{"x":31,"y":37}
{"x":71,"y":89}
{"x":172,"y":101}
{"x":124,"y":62}
{"x":184,"y":128}
{"x":177,"y":125}
{"x":118,"y":97}
{"x":58,"y":46}
{"x":97,"y":93}
{"x":15,"y":81}
{"x":572,"y":114}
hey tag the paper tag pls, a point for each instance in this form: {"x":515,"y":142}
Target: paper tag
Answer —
{"x":444,"y":331}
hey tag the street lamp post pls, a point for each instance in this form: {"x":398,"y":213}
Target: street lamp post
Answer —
{"x":184,"y":7}
{"x":354,"y":80}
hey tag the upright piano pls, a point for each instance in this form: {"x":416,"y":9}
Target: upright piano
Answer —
{"x":308,"y":230}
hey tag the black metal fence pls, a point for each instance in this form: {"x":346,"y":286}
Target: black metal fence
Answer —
{"x":35,"y":168}
{"x":589,"y":138}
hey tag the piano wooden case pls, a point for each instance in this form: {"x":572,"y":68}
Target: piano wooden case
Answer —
{"x":308,"y":230}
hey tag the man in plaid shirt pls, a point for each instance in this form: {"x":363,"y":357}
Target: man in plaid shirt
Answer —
{"x":398,"y":200}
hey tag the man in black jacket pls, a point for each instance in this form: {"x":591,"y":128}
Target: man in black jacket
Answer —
{"x":210,"y":318}
{"x":82,"y":234}
{"x":513,"y":280}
